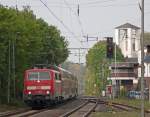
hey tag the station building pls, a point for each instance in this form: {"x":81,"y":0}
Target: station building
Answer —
{"x":146,"y":68}
{"x":124,"y":75}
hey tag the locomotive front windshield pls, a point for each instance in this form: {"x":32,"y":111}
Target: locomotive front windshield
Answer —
{"x":38,"y":76}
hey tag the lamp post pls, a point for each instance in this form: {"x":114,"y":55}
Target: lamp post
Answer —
{"x":142,"y":58}
{"x":13,"y":67}
{"x":9,"y":71}
{"x":14,"y":63}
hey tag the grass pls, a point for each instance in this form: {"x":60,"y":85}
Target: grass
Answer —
{"x":15,"y":104}
{"x":132,"y":102}
{"x":116,"y":114}
{"x":7,"y":108}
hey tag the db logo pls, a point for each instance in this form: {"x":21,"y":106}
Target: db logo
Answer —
{"x":38,"y":87}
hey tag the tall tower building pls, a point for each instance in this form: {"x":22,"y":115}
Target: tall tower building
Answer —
{"x":127,"y":37}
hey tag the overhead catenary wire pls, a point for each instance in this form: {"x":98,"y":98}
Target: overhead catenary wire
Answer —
{"x":98,"y":2}
{"x":57,"y":17}
{"x":60,"y":22}
{"x":82,"y":4}
{"x":85,"y":6}
{"x":110,"y":5}
{"x":76,"y":16}
{"x":52,"y":13}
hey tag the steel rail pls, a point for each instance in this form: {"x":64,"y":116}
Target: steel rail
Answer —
{"x":118,"y":105}
{"x":91,"y":110}
{"x":11,"y":113}
{"x":74,"y":110}
{"x":32,"y":113}
{"x":22,"y":113}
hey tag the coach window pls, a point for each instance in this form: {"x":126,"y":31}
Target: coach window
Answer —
{"x":57,"y":76}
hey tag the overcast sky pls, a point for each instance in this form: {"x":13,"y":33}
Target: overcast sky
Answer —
{"x":97,"y":18}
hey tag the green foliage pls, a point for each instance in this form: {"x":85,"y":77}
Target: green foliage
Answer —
{"x":98,"y":67}
{"x":35,"y":42}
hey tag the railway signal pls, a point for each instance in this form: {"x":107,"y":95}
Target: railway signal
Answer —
{"x":110,"y":47}
{"x":148,"y":49}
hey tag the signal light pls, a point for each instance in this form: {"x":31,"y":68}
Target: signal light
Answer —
{"x":110,"y":47}
{"x":109,"y":89}
{"x":148,"y":49}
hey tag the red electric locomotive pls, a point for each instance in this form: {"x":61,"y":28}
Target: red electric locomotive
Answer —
{"x":45,"y":85}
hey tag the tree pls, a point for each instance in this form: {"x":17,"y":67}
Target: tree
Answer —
{"x":98,"y":67}
{"x":32,"y":45}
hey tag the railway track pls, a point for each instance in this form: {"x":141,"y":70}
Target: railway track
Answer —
{"x":21,"y":113}
{"x":90,"y":105}
{"x":120,"y":106}
{"x":29,"y":113}
{"x":83,"y":110}
{"x":124,"y":107}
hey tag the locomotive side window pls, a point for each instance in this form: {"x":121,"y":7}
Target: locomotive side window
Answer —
{"x":57,"y":76}
{"x":38,"y":76}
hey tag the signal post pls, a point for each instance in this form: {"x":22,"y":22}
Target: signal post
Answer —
{"x":109,"y":55}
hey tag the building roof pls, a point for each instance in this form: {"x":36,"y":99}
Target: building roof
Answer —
{"x":127,"y":25}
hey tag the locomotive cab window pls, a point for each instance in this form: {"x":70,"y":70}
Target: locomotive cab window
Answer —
{"x":38,"y":76}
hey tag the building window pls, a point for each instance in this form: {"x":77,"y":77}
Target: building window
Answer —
{"x":123,"y":34}
{"x":148,"y":69}
{"x":126,"y":45}
{"x":133,"y":45}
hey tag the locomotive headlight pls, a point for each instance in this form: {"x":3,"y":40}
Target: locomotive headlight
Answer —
{"x":29,"y":92}
{"x":47,"y":92}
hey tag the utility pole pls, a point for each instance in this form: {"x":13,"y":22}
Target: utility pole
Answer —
{"x":13,"y":68}
{"x":79,"y":56}
{"x":142,"y":58}
{"x":9,"y":71}
{"x":102,"y":78}
{"x":102,"y":75}
{"x":115,"y":84}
